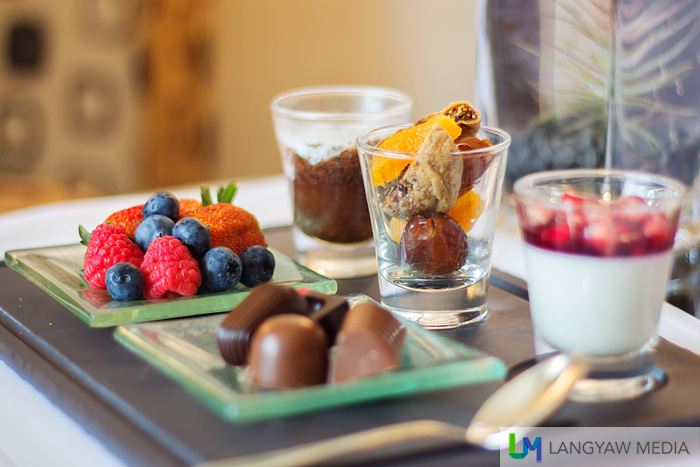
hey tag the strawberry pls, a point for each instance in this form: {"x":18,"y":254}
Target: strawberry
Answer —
{"x":169,"y":268}
{"x":107,"y":245}
{"x":230,"y":226}
{"x":187,"y":205}
{"x":129,"y":218}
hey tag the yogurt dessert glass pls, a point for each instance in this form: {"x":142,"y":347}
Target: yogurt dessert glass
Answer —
{"x":598,"y":247}
{"x":434,"y":190}
{"x":316,"y":128}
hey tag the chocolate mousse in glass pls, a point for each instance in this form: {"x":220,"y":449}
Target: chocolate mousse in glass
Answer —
{"x":316,"y":130}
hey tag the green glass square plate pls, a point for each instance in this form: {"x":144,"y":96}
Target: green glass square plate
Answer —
{"x":186,"y":349}
{"x":58,"y":271}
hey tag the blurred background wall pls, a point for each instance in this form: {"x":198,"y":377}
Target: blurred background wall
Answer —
{"x":112,"y":96}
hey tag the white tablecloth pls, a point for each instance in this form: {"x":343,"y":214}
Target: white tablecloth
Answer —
{"x":41,"y":434}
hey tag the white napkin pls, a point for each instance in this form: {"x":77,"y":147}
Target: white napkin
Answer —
{"x":40,"y":434}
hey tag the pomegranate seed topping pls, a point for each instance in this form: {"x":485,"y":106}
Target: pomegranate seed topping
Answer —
{"x":601,"y":237}
{"x":588,"y":227}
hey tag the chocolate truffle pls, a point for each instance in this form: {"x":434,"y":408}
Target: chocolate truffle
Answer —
{"x":370,"y":341}
{"x":328,"y":310}
{"x":288,"y":351}
{"x":265,"y":300}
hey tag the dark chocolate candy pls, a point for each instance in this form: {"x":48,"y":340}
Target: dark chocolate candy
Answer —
{"x":288,"y":351}
{"x":370,"y":341}
{"x":237,"y":327}
{"x":328,"y":310}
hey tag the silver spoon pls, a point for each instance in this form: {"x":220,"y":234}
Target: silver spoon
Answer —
{"x":524,"y":401}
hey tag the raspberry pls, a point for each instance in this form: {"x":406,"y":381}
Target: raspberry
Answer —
{"x":108,"y":245}
{"x":169,"y":267}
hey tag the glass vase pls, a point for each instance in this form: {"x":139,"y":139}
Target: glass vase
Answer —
{"x":599,"y":83}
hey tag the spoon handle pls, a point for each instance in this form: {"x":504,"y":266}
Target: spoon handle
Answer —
{"x":404,"y":438}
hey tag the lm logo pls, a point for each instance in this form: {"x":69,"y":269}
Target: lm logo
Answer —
{"x":527,"y":447}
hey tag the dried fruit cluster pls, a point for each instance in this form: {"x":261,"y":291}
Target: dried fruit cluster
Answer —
{"x":428,"y":198}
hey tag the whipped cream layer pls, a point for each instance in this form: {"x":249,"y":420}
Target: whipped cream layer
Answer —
{"x":317,"y":141}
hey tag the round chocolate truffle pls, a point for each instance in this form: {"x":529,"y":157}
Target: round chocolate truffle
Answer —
{"x":288,"y":351}
{"x":265,"y":300}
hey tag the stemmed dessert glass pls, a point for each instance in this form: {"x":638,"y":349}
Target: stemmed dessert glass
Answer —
{"x":598,"y":247}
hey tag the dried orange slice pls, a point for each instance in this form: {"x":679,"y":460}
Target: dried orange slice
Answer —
{"x":409,"y":140}
{"x":385,"y":169}
{"x":396,"y":227}
{"x":467,"y":210}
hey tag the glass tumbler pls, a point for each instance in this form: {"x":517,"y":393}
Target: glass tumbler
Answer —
{"x":434,"y":260}
{"x":316,"y":128}
{"x":598,"y":246}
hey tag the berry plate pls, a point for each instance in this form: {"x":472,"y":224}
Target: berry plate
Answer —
{"x":58,"y":271}
{"x":186,"y":349}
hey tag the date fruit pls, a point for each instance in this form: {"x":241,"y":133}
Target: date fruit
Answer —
{"x":474,"y":164}
{"x":434,"y":245}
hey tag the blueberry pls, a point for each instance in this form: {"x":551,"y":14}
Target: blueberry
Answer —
{"x":152,"y":227}
{"x":163,"y":203}
{"x":194,"y":234}
{"x":124,"y":281}
{"x":221,"y":269}
{"x":258,"y":265}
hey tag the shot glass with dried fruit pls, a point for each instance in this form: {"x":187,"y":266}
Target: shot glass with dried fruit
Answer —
{"x":434,"y":189}
{"x":316,"y":130}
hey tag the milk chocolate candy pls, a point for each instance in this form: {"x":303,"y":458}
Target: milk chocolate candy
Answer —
{"x":265,"y":300}
{"x":370,"y":341}
{"x":328,"y":310}
{"x":288,"y":351}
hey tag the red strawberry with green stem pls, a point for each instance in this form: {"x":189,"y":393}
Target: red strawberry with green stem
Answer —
{"x":230,"y":226}
{"x":129,"y":218}
{"x":187,"y":205}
